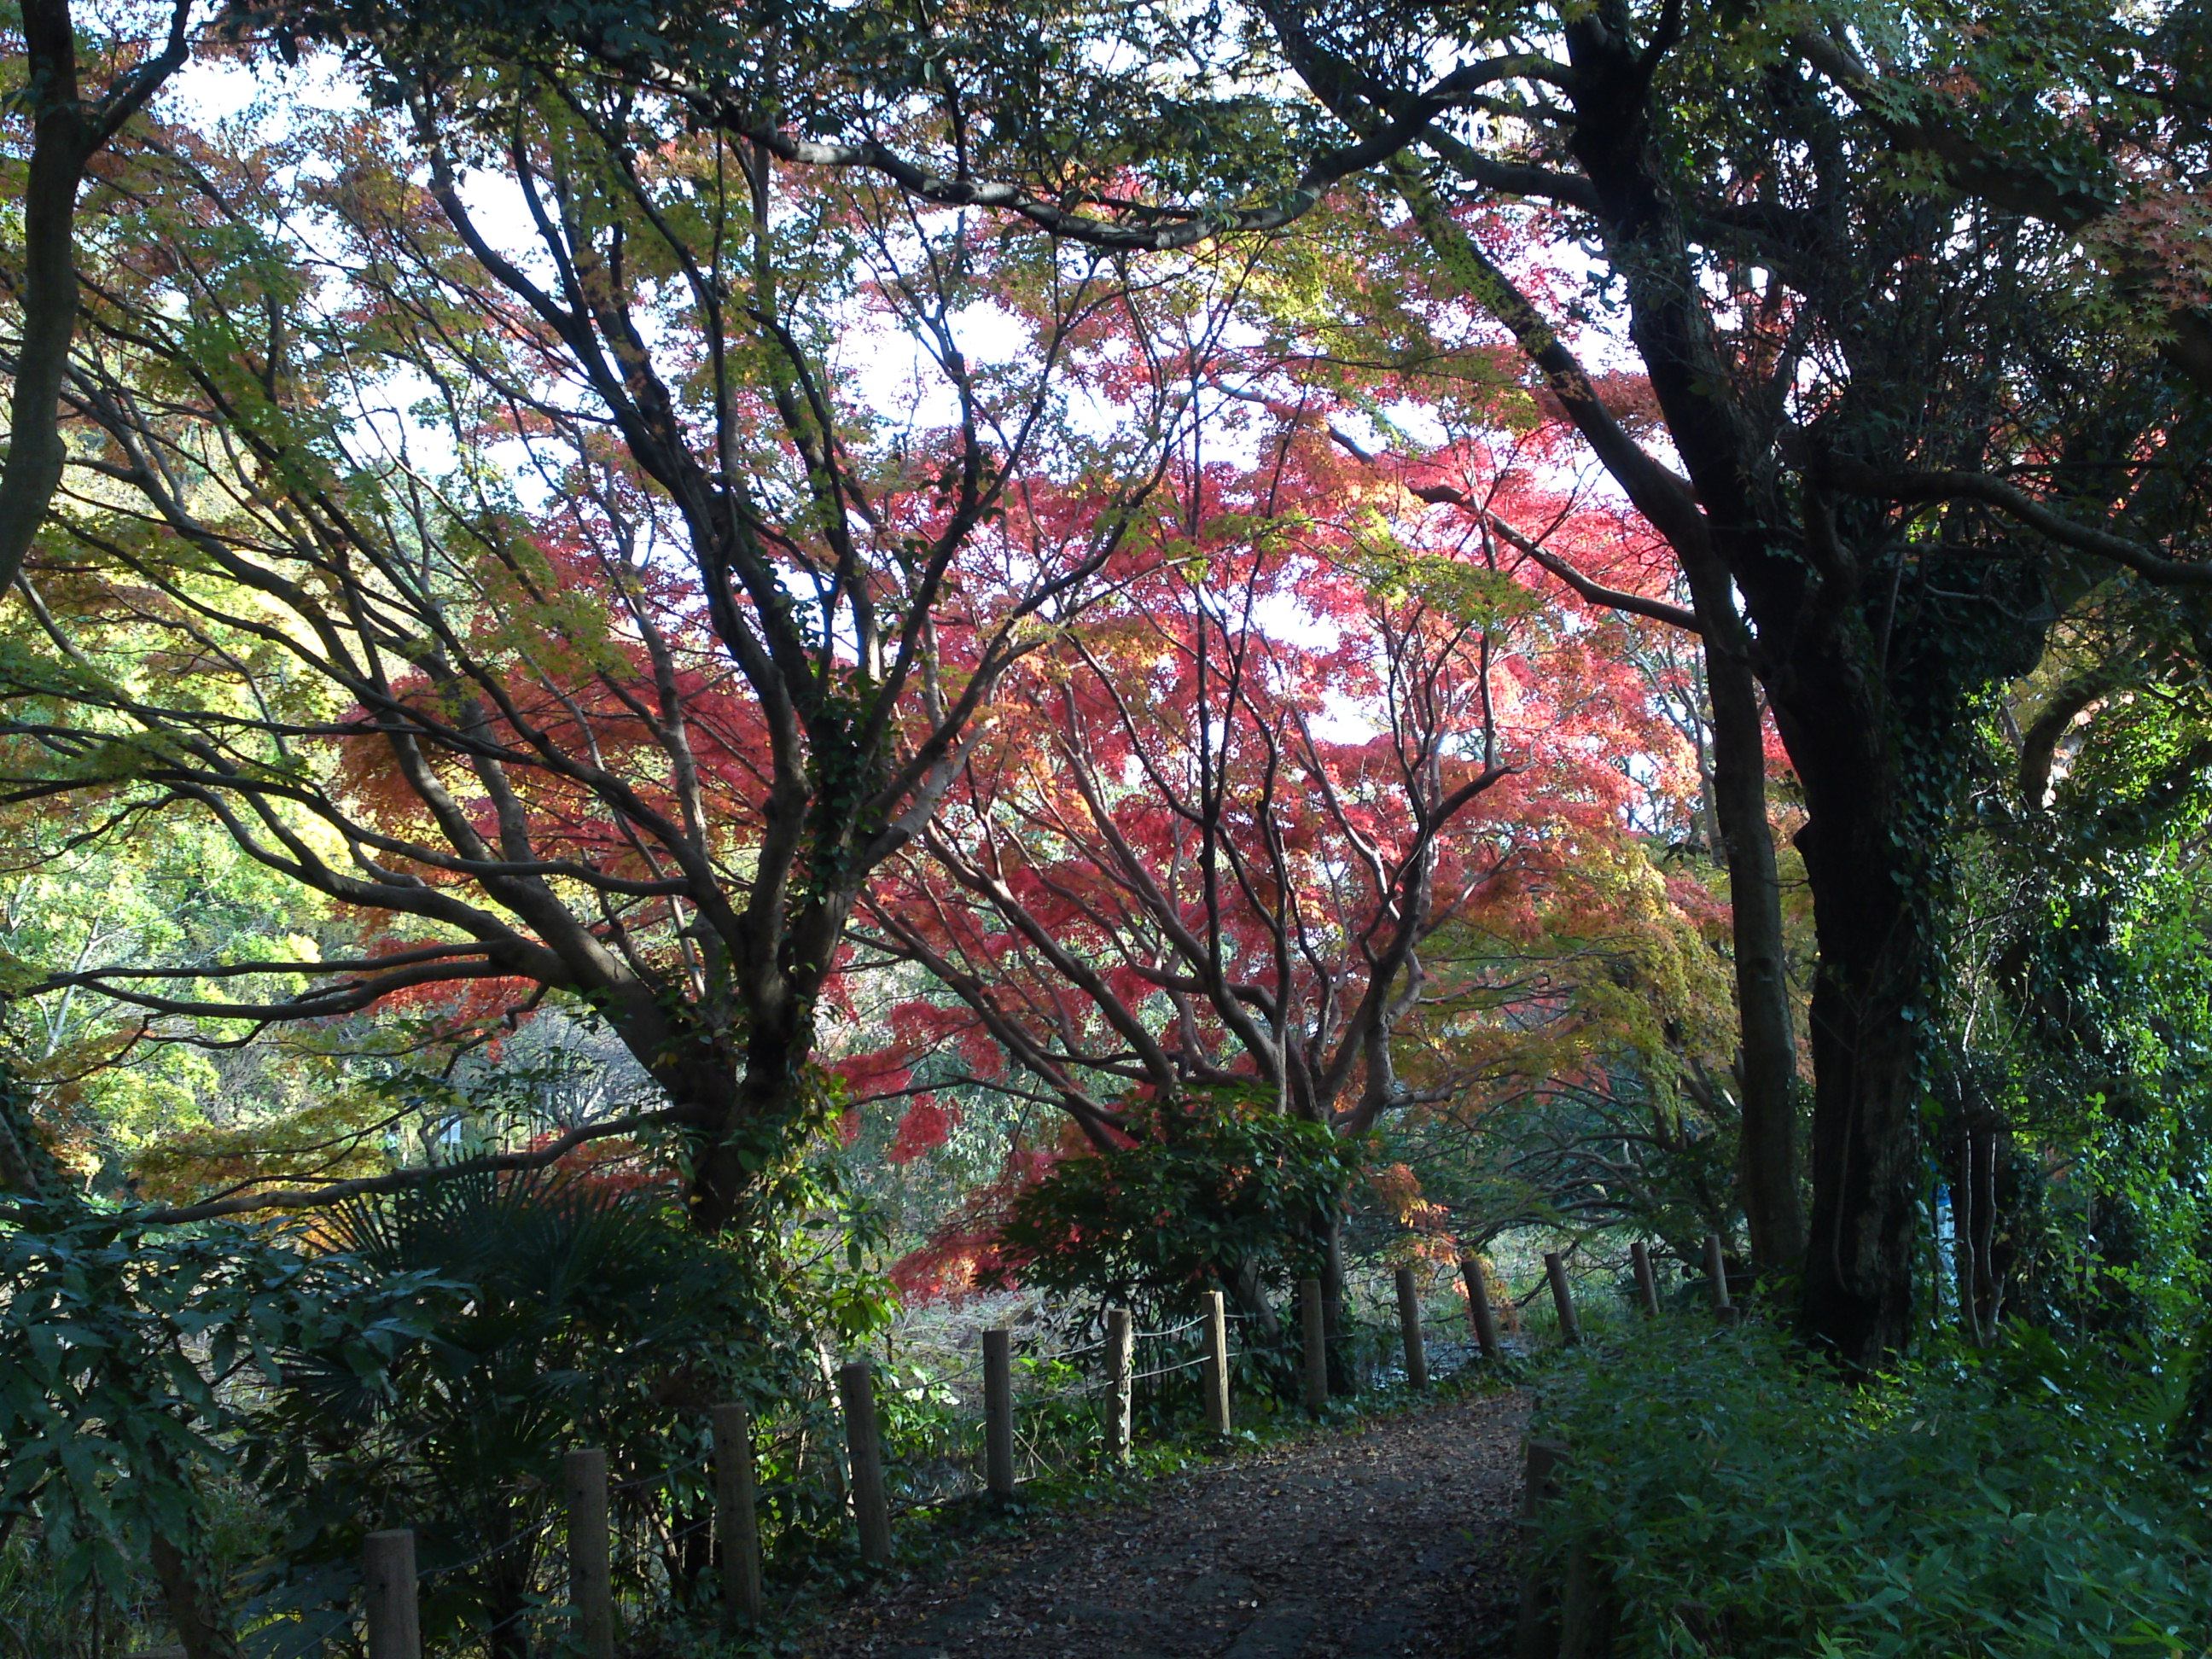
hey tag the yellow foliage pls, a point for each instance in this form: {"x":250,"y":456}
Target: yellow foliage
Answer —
{"x":338,"y":1138}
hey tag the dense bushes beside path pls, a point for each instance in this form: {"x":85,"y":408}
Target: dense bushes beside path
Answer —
{"x":2013,"y":1502}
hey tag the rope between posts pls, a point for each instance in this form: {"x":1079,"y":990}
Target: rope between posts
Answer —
{"x":519,"y":1614}
{"x":1080,"y":1391}
{"x":1171,"y":1330}
{"x":1163,"y":1371}
{"x":433,"y":1574}
{"x":660,"y":1476}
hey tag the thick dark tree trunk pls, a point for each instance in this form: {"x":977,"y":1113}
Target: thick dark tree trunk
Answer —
{"x":1865,"y":1028}
{"x":742,"y":1109}
{"x":738,"y":1076}
{"x":733,"y":1101}
{"x":1341,"y":1378}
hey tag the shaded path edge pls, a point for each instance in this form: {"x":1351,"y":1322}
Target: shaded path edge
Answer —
{"x":1393,"y":1536}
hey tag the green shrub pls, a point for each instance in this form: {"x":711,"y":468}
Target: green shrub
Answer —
{"x":581,"y":1312}
{"x":2015,"y":1503}
{"x":129,"y":1356}
{"x":1219,"y":1191}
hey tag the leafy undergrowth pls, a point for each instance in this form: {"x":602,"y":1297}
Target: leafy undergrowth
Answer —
{"x":2013,"y":1502}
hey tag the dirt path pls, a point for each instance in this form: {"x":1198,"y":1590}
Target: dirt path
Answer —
{"x":1390,"y":1539}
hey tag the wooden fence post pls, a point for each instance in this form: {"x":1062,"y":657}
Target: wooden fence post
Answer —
{"x":1120,"y":1350}
{"x":1478,"y":1307}
{"x":1409,"y":1328}
{"x":1314,"y":1318}
{"x":591,"y":1584}
{"x":388,"y":1583}
{"x":1647,"y":1284}
{"x":1563,"y":1297}
{"x":1216,"y":1364}
{"x":999,"y":1414}
{"x":1536,"y":1632}
{"x":736,"y":1526}
{"x":1717,"y":1271}
{"x":856,"y":1385}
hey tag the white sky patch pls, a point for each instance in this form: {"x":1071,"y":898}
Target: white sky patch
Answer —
{"x":207,"y":91}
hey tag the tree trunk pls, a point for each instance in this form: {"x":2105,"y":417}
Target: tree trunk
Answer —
{"x":731,"y":1101}
{"x":1982,"y":1147}
{"x":59,"y":152}
{"x":739,"y":1105}
{"x":744,"y":1108}
{"x":1766,"y":1074}
{"x":1959,"y":1175}
{"x":1971,"y":1170}
{"x":1341,"y":1381}
{"x":1866,"y":1015}
{"x":1243,"y":1290}
{"x":202,"y":1629}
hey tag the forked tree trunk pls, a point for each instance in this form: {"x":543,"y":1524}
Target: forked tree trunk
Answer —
{"x":1969,"y":1169}
{"x":743,"y":1101}
{"x":733,"y":1099}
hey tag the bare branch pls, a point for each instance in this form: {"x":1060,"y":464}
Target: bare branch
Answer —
{"x":1400,"y":127}
{"x":338,"y":1192}
{"x":2145,"y":561}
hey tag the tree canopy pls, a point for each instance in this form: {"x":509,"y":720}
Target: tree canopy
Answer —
{"x":1155,"y":545}
{"x":669,"y":671}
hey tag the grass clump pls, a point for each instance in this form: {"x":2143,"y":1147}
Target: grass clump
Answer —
{"x":1737,"y":1499}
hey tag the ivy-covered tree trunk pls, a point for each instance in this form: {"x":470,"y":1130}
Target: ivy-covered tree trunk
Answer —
{"x":1867,"y":996}
{"x":740,"y":1130}
{"x":1872,"y":723}
{"x":737,"y":1072}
